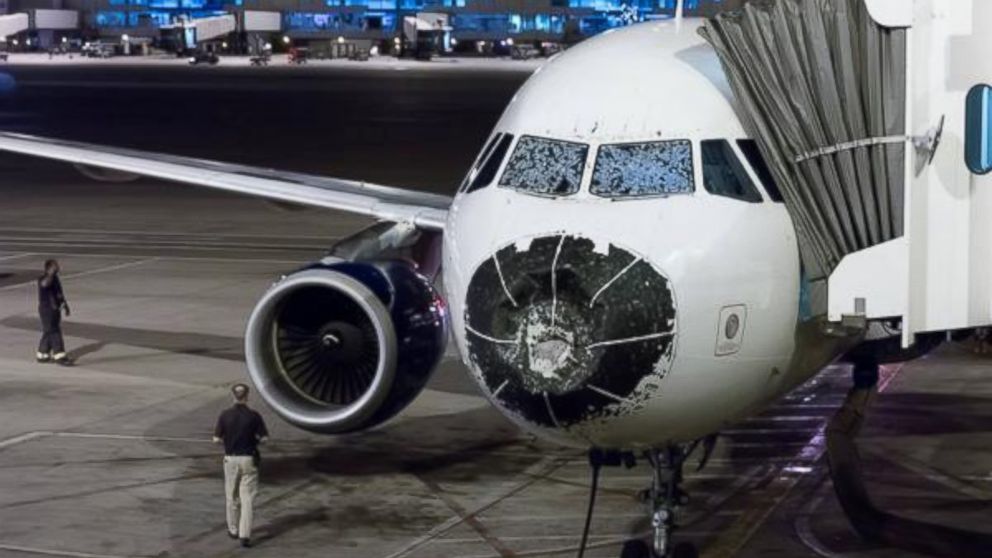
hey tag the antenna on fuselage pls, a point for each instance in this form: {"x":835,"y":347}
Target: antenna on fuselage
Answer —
{"x":678,"y":15}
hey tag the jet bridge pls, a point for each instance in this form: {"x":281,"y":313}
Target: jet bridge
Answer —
{"x":13,"y":24}
{"x":190,"y":32}
{"x":877,"y":123}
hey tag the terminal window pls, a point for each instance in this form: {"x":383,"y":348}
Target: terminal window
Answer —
{"x":978,"y":129}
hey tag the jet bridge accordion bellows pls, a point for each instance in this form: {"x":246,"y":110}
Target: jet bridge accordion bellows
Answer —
{"x":821,"y":87}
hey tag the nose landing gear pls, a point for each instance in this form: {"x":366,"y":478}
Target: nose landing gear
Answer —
{"x":665,"y":499}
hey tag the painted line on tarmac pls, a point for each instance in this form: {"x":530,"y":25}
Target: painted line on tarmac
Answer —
{"x":107,"y":269}
{"x":192,"y":247}
{"x":470,"y":519}
{"x":805,"y":531}
{"x":931,"y":473}
{"x":177,"y":258}
{"x":562,"y":550}
{"x":803,"y":526}
{"x":535,"y":473}
{"x":15,"y":256}
{"x":165,"y":233}
{"x":783,"y":481}
{"x":136,"y":437}
{"x":27,"y":437}
{"x":52,"y":552}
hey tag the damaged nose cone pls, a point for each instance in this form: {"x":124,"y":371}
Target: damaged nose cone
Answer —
{"x":563,"y":330}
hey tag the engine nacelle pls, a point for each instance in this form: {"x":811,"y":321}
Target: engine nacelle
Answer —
{"x":343,"y":347}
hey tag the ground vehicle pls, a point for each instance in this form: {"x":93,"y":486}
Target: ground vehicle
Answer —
{"x":299,"y":55}
{"x":260,"y":60}
{"x":99,"y":50}
{"x":524,"y":52}
{"x":204,"y":58}
{"x":359,"y":55}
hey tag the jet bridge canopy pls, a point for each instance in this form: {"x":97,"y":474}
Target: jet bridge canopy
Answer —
{"x":822,"y":87}
{"x":868,"y":113}
{"x":13,"y":24}
{"x":201,"y":29}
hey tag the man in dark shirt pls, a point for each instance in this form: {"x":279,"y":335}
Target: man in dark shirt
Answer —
{"x":51,"y":303}
{"x":241,"y":430}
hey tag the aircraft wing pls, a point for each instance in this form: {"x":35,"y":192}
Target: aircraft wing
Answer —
{"x":427,"y":211}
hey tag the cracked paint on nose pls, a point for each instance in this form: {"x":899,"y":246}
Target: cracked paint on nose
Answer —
{"x":562,"y":329}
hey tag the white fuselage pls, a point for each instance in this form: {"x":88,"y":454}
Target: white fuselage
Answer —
{"x":714,"y":319}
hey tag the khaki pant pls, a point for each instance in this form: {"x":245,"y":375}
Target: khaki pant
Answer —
{"x":240,"y":486}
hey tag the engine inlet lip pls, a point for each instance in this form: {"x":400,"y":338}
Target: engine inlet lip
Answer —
{"x":282,"y":394}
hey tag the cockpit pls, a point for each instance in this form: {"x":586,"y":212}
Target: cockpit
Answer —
{"x":556,"y":168}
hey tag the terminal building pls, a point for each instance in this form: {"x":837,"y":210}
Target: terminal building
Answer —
{"x":376,"y":20}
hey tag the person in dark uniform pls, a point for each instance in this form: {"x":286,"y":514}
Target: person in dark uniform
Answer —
{"x":51,"y":304}
{"x":241,"y":430}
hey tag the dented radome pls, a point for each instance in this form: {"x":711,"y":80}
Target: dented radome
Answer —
{"x":564,"y":330}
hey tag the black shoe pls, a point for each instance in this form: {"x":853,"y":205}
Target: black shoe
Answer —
{"x":232,"y":535}
{"x":43,"y":360}
{"x":246,"y":543}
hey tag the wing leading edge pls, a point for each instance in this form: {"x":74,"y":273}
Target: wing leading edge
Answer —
{"x":427,"y":211}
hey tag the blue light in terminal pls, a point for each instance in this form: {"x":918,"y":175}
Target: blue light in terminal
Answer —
{"x":382,"y":16}
{"x":111,"y":19}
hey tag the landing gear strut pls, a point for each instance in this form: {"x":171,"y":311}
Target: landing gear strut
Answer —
{"x":665,"y":498}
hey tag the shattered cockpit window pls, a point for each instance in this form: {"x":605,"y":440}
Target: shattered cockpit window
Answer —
{"x":643,"y":169}
{"x":545,"y":166}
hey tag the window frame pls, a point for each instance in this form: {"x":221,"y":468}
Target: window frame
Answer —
{"x":692,"y":161}
{"x":740,"y":162}
{"x":777,"y":197}
{"x":501,"y":172}
{"x":506,"y":139}
{"x":480,"y":160}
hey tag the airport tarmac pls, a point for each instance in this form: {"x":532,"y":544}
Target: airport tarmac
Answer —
{"x":446,"y":63}
{"x":112,"y":458}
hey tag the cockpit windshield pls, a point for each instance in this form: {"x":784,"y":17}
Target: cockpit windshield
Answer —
{"x":643,"y":169}
{"x":545,"y":166}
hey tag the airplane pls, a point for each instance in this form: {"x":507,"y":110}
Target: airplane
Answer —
{"x":617,"y":270}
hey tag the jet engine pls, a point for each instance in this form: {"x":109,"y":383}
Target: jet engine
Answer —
{"x":342,"y":347}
